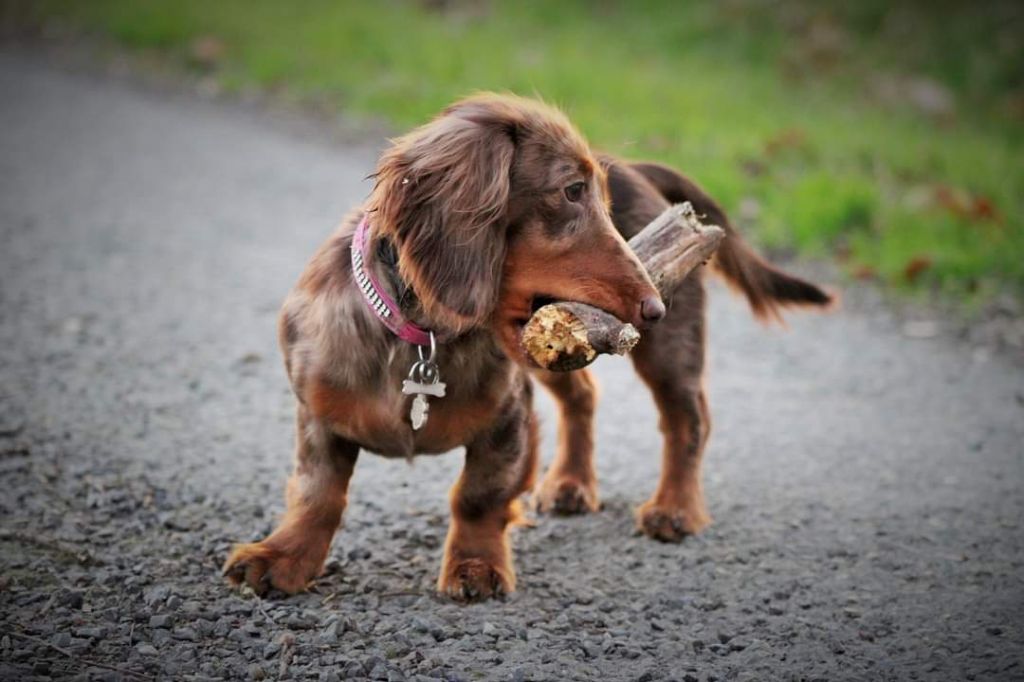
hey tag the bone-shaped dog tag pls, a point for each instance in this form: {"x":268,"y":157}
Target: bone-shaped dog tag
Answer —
{"x":420,"y":405}
{"x":419,"y":412}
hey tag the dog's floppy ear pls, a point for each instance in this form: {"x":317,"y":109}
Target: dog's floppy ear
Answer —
{"x":442,"y":195}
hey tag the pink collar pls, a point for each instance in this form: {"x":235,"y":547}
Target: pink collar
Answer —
{"x":382,"y":305}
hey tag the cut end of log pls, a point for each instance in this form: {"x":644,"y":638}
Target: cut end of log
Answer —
{"x":565,"y":336}
{"x":627,"y":340}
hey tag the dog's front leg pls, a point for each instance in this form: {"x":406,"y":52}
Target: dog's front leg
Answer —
{"x":294,"y":554}
{"x":670,"y":360}
{"x":499,"y":467}
{"x":570,"y":484}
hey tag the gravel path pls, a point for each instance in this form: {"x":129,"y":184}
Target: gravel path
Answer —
{"x":866,"y":487}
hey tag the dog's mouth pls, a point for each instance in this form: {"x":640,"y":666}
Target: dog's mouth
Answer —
{"x":519,"y":321}
{"x":515,"y":325}
{"x":541,"y":300}
{"x":536,"y":303}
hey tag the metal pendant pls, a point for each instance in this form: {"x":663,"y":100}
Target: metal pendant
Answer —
{"x":424,"y":380}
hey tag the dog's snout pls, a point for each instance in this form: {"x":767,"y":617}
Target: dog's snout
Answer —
{"x":652,"y":309}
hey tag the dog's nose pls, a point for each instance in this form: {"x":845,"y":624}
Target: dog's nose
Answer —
{"x":652,"y":309}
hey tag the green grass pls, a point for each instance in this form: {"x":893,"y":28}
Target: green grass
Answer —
{"x":779,"y":109}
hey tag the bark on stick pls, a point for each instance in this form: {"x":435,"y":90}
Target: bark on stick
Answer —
{"x":566,"y":335}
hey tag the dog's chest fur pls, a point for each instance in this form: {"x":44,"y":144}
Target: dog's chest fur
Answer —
{"x":347,"y":368}
{"x":375,"y":414}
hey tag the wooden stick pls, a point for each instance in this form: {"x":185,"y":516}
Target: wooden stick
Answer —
{"x":566,"y":335}
{"x":673,"y":244}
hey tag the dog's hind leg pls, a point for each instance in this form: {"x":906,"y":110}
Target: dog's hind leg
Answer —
{"x":317,"y":494}
{"x":670,"y":360}
{"x":570,"y":484}
{"x":500,"y":465}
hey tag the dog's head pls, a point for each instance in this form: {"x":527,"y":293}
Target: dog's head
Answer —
{"x":497,"y":206}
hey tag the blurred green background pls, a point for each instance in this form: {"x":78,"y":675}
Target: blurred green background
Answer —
{"x":886,"y":136}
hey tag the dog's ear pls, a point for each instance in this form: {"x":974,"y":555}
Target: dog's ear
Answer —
{"x":442,"y":196}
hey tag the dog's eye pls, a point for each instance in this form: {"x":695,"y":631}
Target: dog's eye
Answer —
{"x":574,"y":192}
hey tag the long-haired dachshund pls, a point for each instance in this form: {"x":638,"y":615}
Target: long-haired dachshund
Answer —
{"x":401,"y":336}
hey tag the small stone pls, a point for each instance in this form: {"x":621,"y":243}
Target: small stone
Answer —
{"x":171,"y":522}
{"x":160,"y":637}
{"x":187,"y":634}
{"x":161,"y":621}
{"x":299,"y":621}
{"x":156,"y":595}
{"x":489,"y":629}
{"x":711,"y":605}
{"x":90,"y":633}
{"x":72,"y":599}
{"x":146,"y":649}
{"x":256,"y":672}
{"x":191,"y":607}
{"x":354,"y":670}
{"x":332,"y":633}
{"x":417,"y":624}
{"x":238,"y":636}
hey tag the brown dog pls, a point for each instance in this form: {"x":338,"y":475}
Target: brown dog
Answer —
{"x":669,"y":358}
{"x":476,"y":219}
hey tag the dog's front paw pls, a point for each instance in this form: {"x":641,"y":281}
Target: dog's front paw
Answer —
{"x":262,"y":566}
{"x":475,"y":579}
{"x":671,"y":523}
{"x":566,"y":495}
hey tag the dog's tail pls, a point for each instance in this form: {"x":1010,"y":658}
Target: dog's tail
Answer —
{"x":767,"y":288}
